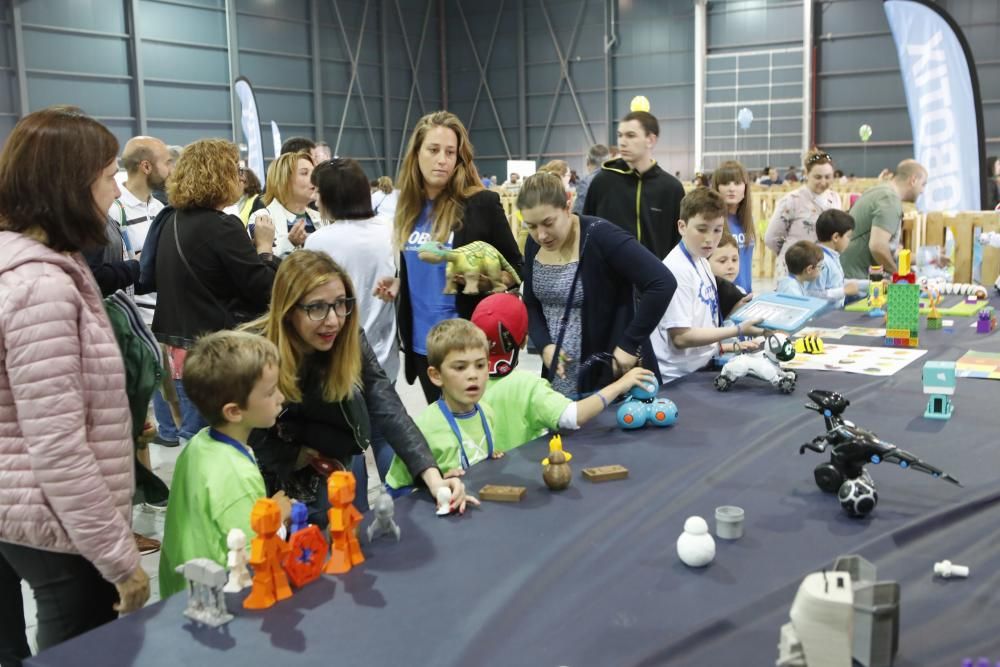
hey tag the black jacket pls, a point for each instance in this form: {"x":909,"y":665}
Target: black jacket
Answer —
{"x":648,"y":206}
{"x":111,"y":271}
{"x":228,"y":282}
{"x":319,"y":425}
{"x":483,"y":220}
{"x":614,"y":271}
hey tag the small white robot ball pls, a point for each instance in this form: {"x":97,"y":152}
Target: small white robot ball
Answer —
{"x":858,"y":497}
{"x":695,"y":546}
{"x":444,"y":496}
{"x":639,"y":103}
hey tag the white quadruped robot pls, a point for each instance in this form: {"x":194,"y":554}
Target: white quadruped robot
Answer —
{"x":764,"y":365}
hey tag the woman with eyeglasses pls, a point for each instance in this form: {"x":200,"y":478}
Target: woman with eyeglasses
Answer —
{"x":795,"y":214}
{"x":335,"y":389}
{"x":360,"y":241}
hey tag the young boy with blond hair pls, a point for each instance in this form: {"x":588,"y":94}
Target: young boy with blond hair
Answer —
{"x":458,"y":428}
{"x":232,"y":378}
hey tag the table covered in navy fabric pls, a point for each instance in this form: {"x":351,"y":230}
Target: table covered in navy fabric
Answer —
{"x":590,"y":576}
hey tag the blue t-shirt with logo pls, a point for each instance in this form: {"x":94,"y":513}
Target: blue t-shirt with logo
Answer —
{"x":426,"y":283}
{"x":745,"y":276}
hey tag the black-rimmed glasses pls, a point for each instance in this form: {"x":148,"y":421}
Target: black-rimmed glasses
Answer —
{"x":320,"y":310}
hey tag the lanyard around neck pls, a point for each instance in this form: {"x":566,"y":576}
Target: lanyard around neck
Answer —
{"x":450,"y":418}
{"x":232,"y":442}
{"x":716,"y":308}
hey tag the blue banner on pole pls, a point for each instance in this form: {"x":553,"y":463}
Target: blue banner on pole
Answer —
{"x":942,"y":95}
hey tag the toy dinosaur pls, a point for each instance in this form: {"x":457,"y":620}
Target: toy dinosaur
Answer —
{"x":469,"y":261}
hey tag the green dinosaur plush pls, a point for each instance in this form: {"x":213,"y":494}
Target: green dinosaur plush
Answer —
{"x":470,"y":261}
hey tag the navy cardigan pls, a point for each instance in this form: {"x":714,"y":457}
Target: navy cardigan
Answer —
{"x":615,"y":271}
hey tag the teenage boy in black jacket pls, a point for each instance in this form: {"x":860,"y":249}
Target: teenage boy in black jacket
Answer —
{"x":634,"y":192}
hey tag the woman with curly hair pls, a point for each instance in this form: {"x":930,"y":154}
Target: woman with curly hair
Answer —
{"x":206,"y":270}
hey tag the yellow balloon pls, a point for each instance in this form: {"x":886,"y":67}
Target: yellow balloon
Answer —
{"x":639,"y":103}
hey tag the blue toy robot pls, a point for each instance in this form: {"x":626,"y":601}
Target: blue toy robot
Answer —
{"x":642,"y":407}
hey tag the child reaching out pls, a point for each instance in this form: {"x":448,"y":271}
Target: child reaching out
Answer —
{"x":834,"y":229}
{"x":525,"y":404}
{"x":689,"y":334}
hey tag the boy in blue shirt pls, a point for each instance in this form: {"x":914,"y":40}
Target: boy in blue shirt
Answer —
{"x":834,"y":229}
{"x":804,"y":261}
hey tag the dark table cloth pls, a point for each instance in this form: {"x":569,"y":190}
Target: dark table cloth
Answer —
{"x":590,"y":575}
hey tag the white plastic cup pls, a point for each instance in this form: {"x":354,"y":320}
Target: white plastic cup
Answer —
{"x":729,"y":522}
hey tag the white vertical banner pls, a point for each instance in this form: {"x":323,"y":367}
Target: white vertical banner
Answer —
{"x":942,"y":96}
{"x":251,"y":126}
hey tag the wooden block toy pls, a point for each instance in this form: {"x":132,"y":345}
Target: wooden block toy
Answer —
{"x":502,"y":494}
{"x":605,"y":473}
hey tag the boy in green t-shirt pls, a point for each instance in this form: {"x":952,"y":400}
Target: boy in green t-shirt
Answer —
{"x":232,"y":378}
{"x":458,"y":427}
{"x":526,"y":405}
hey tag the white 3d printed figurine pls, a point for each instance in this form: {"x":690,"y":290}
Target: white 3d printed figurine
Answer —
{"x":947,"y":570}
{"x":384,"y":524}
{"x":239,"y":575}
{"x":206,"y":601}
{"x":842,"y":614}
{"x":695,"y":546}
{"x":444,"y":501}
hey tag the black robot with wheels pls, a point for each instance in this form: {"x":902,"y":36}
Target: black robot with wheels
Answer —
{"x":851,"y":449}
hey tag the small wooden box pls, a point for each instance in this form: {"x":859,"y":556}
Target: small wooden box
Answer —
{"x":502,"y":494}
{"x":605,"y":473}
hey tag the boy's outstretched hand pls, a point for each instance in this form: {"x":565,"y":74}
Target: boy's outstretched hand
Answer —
{"x":634,"y":378}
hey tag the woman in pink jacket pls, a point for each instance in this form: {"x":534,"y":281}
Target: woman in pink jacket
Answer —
{"x":66,"y":475}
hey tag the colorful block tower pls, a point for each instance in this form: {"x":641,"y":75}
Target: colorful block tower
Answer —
{"x":902,"y":322}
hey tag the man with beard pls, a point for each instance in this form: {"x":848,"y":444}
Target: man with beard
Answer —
{"x":148,"y":163}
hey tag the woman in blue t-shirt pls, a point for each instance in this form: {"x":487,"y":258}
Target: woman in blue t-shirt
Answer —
{"x":440,"y":199}
{"x":732,"y":182}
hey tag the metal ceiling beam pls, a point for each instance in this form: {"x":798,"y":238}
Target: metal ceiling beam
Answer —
{"x":564,"y":75}
{"x":317,"y":74}
{"x":414,"y":73}
{"x":22,"y":75}
{"x":233,"y":52}
{"x":354,"y":78}
{"x":383,"y":13}
{"x":483,"y":83}
{"x":135,"y":60}
{"x":522,"y":84}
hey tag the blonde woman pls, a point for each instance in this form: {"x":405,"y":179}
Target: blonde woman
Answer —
{"x":287,"y":196}
{"x":795,"y":214}
{"x":441,"y":198}
{"x":335,"y":389}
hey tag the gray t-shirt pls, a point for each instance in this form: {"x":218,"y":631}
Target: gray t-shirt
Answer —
{"x":881,"y":207}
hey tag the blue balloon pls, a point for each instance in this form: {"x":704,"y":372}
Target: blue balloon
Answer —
{"x":744,"y":118}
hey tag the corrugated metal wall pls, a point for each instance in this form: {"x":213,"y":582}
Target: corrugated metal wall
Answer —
{"x":529,"y":77}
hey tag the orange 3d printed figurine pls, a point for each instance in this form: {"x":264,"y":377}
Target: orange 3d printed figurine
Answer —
{"x":345,"y":550}
{"x":266,"y":552}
